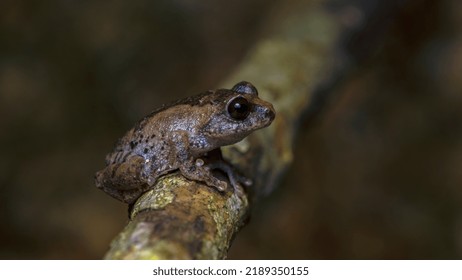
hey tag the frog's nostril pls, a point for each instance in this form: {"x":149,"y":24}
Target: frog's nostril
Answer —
{"x":269,"y":114}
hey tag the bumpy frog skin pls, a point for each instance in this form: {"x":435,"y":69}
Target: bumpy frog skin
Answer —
{"x":177,"y":136}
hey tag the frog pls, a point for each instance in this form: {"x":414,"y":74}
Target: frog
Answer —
{"x":179,"y":136}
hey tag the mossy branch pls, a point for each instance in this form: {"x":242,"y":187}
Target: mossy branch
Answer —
{"x":180,"y":219}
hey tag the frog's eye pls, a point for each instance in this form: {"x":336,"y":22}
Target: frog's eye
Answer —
{"x":239,"y":108}
{"x":245,"y":88}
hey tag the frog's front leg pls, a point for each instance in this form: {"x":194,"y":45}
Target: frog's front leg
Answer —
{"x":234,"y":177}
{"x":125,"y":181}
{"x":188,"y":166}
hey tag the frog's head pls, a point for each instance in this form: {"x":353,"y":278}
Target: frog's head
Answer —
{"x":237,"y":113}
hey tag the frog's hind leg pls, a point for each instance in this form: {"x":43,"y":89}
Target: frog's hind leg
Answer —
{"x":125,"y":181}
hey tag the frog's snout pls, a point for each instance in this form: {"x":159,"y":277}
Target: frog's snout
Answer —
{"x":269,"y":113}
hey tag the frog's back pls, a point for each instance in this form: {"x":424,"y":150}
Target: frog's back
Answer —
{"x":148,"y":133}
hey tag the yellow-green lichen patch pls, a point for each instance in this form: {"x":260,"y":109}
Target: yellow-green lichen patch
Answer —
{"x":162,"y":250}
{"x":226,"y":214}
{"x":158,"y":197}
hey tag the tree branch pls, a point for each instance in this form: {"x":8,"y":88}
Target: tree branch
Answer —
{"x":180,"y":219}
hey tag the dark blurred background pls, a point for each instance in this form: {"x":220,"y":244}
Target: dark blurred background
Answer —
{"x":376,"y":173}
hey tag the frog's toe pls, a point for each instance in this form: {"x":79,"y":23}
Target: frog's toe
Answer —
{"x":246,"y":181}
{"x":151,"y":180}
{"x":221,"y":186}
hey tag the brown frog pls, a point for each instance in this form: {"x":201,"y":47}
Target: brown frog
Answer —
{"x":178,"y":136}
